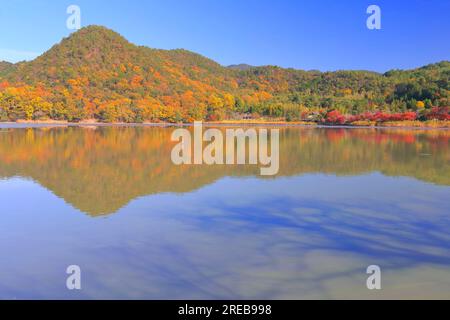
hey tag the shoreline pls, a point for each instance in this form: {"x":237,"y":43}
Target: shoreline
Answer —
{"x":442,"y":125}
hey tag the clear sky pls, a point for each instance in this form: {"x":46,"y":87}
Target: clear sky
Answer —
{"x":303,"y":34}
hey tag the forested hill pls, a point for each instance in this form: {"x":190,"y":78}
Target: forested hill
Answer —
{"x":97,"y":74}
{"x":5,"y":68}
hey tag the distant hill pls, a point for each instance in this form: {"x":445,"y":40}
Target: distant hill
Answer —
{"x":5,"y":68}
{"x":97,"y":74}
{"x":241,"y":67}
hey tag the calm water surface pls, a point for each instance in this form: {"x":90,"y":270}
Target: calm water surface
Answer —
{"x":110,"y":200}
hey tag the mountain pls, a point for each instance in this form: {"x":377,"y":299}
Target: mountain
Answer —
{"x":97,"y":74}
{"x":6,"y":68}
{"x":240,"y":67}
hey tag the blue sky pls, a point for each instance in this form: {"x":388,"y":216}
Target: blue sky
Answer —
{"x":303,"y":34}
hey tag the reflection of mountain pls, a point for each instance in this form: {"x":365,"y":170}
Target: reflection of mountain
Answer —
{"x":101,"y":170}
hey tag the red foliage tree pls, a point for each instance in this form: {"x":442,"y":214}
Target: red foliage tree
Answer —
{"x":335,"y":117}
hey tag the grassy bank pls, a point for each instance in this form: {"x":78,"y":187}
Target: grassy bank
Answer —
{"x":432,"y":124}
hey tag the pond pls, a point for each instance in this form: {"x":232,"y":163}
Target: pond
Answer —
{"x":110,"y":200}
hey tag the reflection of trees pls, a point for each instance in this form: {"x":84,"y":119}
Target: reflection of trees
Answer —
{"x":101,"y":170}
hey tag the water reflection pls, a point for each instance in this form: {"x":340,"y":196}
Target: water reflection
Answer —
{"x":99,"y":170}
{"x":344,"y":199}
